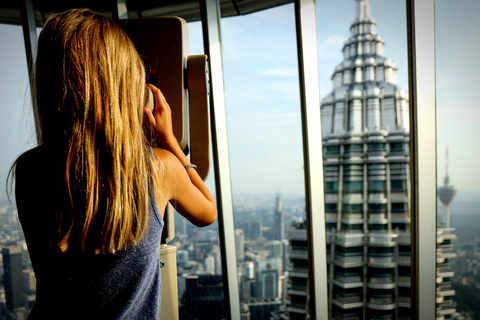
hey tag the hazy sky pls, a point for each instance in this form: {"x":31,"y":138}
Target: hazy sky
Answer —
{"x":262,"y":95}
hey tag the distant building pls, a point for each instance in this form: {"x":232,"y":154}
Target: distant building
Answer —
{"x":182,"y":258}
{"x":218,"y":259}
{"x":278,"y":231}
{"x":240,"y":244}
{"x":203,"y":298}
{"x":445,"y":253}
{"x":266,"y":279}
{"x":253,"y":230}
{"x":210,"y":265}
{"x":13,"y":278}
{"x":444,"y":291}
{"x":275,"y":251}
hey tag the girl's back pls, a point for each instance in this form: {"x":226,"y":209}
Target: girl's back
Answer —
{"x":77,"y":284}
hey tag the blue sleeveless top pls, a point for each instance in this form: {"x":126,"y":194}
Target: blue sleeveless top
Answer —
{"x":78,"y":285}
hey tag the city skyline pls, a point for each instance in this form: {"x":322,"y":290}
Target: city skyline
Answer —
{"x":271,"y":106}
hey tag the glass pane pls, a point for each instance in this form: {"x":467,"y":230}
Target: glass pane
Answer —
{"x":199,"y":265}
{"x":266,"y":159}
{"x":17,"y":282}
{"x":458,"y":152}
{"x":365,"y":130}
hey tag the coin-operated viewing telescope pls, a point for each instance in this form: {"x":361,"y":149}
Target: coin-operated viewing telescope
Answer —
{"x":163,"y":45}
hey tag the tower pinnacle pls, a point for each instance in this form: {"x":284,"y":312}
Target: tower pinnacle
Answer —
{"x":447,"y":178}
{"x":363,"y":9}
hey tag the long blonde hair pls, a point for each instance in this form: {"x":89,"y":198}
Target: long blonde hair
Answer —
{"x":90,"y":83}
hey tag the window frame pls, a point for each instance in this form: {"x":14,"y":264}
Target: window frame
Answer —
{"x":421,"y":52}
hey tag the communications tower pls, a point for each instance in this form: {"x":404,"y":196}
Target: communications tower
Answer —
{"x":447,"y":193}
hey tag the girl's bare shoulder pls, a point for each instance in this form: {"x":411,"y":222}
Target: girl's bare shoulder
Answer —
{"x":165,"y":158}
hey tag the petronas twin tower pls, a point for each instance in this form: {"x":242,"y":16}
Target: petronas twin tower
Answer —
{"x":365,"y":130}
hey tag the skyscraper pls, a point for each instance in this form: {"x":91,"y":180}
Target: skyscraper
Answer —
{"x":13,"y":277}
{"x":240,"y":244}
{"x":365,"y":131}
{"x":278,"y":232}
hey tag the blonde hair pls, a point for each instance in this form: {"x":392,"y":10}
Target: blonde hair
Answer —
{"x":90,"y":84}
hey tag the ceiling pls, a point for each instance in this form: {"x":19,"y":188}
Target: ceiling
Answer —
{"x":187,"y":9}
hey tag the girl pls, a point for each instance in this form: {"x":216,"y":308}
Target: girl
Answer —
{"x":91,"y":196}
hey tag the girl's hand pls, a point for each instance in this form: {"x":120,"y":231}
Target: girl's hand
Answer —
{"x":161,"y":119}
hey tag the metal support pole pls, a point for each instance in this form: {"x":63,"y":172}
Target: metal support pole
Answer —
{"x":210,"y":11}
{"x":120,"y":10}
{"x":421,"y":52}
{"x":30,"y":39}
{"x":312,"y":155}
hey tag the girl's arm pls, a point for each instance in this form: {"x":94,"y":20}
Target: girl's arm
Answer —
{"x":185,"y":189}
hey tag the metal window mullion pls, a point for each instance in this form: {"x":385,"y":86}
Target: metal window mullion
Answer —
{"x":421,"y":51}
{"x":210,"y":11}
{"x":30,"y":39}
{"x":313,"y":157}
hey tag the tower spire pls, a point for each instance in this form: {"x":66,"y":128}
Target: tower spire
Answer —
{"x":363,"y":9}
{"x":447,"y":179}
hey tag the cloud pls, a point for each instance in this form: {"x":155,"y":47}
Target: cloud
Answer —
{"x":337,"y":41}
{"x":280,"y":72}
{"x":331,"y":47}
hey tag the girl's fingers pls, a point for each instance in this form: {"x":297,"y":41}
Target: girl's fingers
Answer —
{"x":160,"y":100}
{"x":150,"y":116}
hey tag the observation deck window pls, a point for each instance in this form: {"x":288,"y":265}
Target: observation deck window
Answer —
{"x":399,"y":207}
{"x":380,"y":251}
{"x":349,"y":250}
{"x":352,"y":208}
{"x":377,"y":207}
{"x":353,"y":186}
{"x":375,"y":186}
{"x":397,"y":147}
{"x":398,"y":185}
{"x":331,"y":187}
{"x":377,"y":146}
{"x":330,"y":227}
{"x":356,"y":147}
{"x":399,"y":226}
{"x":332,"y":149}
{"x":352,"y":227}
{"x":331,"y":207}
{"x":377,"y":227}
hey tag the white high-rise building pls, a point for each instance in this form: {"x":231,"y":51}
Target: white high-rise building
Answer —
{"x":365,"y":132}
{"x":210,"y":265}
